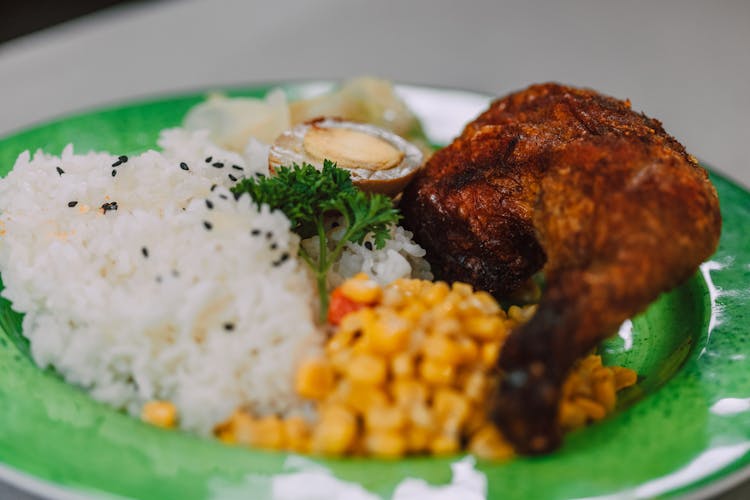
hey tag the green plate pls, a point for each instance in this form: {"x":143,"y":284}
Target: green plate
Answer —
{"x":685,"y":428}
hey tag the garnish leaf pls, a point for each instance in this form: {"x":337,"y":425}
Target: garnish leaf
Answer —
{"x":307,"y":195}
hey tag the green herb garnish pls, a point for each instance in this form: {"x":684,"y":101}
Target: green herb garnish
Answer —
{"x":306,"y":195}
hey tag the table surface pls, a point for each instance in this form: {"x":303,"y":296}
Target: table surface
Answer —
{"x":686,"y":63}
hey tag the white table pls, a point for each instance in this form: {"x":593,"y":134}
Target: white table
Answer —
{"x":684,"y":62}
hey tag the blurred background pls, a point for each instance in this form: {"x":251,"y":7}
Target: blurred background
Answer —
{"x":685,"y":62}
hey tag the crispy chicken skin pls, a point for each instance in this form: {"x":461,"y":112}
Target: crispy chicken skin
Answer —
{"x":565,"y":179}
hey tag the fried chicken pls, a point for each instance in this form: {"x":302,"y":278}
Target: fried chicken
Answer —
{"x":567,"y":180}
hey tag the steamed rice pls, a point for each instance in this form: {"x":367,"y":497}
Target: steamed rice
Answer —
{"x":142,"y":278}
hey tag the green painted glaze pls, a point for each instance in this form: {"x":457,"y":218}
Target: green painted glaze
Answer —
{"x":689,"y":348}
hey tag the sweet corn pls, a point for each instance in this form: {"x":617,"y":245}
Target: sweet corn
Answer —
{"x":417,"y":438}
{"x":489,"y":354}
{"x":384,"y":417}
{"x":485,"y":327}
{"x":361,"y":289}
{"x":436,"y":293}
{"x":436,"y":373}
{"x":604,"y":388}
{"x":296,"y":434}
{"x":402,"y":365}
{"x":410,"y":372}
{"x":489,"y":444}
{"x":408,"y":392}
{"x":624,"y":377}
{"x":385,"y":443}
{"x":268,"y":432}
{"x":314,"y":379}
{"x":160,"y":413}
{"x":367,"y":369}
{"x":335,"y":432}
{"x":444,"y":444}
{"x":462,"y":289}
{"x":388,"y":335}
{"x":360,"y":398}
{"x":451,"y":407}
{"x":441,"y":349}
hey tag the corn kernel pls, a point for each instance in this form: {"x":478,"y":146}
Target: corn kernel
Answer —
{"x":436,"y":373}
{"x":444,"y":444}
{"x":361,"y":398}
{"x":604,"y":389}
{"x":361,"y":289}
{"x":408,"y":392}
{"x":402,"y":365}
{"x":417,"y":438}
{"x":441,"y":349}
{"x":241,"y":425}
{"x":624,"y":377}
{"x":336,"y":431}
{"x":314,"y":379}
{"x":468,"y":350}
{"x":388,"y":335}
{"x":475,"y":386}
{"x":489,"y":354}
{"x":485,"y":327}
{"x":463,"y":289}
{"x":268,"y":433}
{"x":489,"y":444}
{"x":296,"y":434}
{"x":571,"y":416}
{"x":450,"y":407}
{"x":160,"y":413}
{"x":593,"y":410}
{"x":384,"y":417}
{"x":445,"y":325}
{"x":367,"y":369}
{"x":413,"y":312}
{"x":385,"y":443}
{"x":488,"y":304}
{"x":436,"y":293}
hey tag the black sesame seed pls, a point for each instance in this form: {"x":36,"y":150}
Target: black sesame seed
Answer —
{"x":274,"y":246}
{"x":207,"y":225}
{"x":71,"y":204}
{"x":213,"y":186}
{"x":255,"y":232}
{"x":229,"y":326}
{"x":114,"y":172}
{"x":223,"y":196}
{"x":175,"y":273}
{"x":259,"y":174}
{"x":158,"y":278}
{"x":59,"y":170}
{"x":209,"y":159}
{"x":217,"y":164}
{"x":123,"y":158}
{"x":109,"y":206}
{"x":237,"y":167}
{"x":368,"y":245}
{"x":144,"y":251}
{"x":209,"y":204}
{"x":284,"y":257}
{"x":269,"y":235}
{"x":232,"y":178}
{"x":184,"y":166}
{"x":117,"y":163}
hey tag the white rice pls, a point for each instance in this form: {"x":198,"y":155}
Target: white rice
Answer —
{"x":165,"y":297}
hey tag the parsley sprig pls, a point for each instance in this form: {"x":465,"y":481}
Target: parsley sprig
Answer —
{"x":307,"y":195}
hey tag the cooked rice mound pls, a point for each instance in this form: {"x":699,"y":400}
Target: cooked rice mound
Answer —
{"x":143,"y":279}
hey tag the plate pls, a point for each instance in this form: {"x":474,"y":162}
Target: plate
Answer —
{"x":684,"y":428}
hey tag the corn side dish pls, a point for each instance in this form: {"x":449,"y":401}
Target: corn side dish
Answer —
{"x":409,"y":369}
